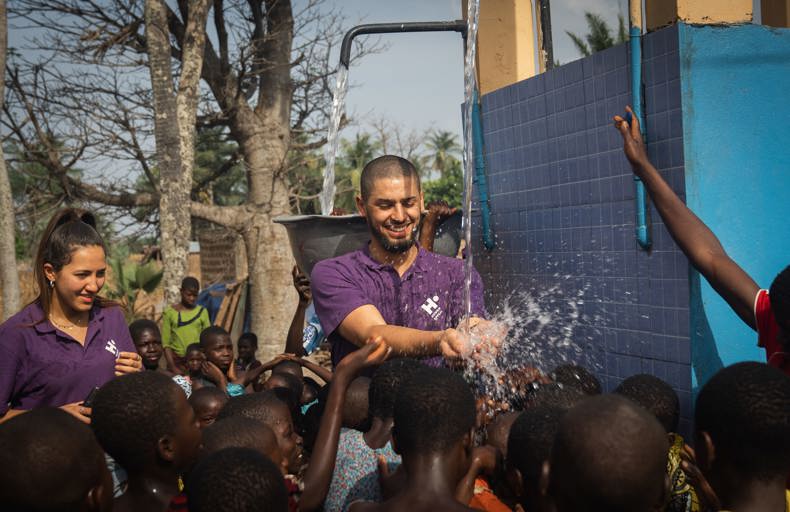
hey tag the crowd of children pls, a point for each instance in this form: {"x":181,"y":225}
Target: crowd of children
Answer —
{"x":409,"y":438}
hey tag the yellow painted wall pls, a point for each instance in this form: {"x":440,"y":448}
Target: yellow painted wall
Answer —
{"x":505,"y":43}
{"x":705,"y":12}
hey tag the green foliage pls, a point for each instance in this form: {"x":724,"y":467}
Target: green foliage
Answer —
{"x":600,"y":35}
{"x":449,"y":187}
{"x":214,"y":152}
{"x":437,"y":160}
{"x":130,"y":280}
{"x":443,"y":151}
{"x":218,"y":176}
{"x":348,"y":169}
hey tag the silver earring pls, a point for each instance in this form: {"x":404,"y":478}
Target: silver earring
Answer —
{"x":51,"y":283}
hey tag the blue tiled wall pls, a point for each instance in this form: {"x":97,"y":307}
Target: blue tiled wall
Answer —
{"x":562,"y":202}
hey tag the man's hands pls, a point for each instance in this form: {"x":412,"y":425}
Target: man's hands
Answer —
{"x":633,"y":145}
{"x":458,"y":343}
{"x":302,"y":285}
{"x":455,"y":344}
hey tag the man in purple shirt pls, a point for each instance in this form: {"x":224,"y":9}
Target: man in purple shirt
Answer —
{"x":392,"y":287}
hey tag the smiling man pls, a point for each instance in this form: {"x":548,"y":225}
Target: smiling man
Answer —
{"x":392,"y":287}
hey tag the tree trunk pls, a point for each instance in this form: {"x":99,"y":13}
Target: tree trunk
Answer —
{"x":263,"y":143}
{"x":174,"y":131}
{"x":9,"y":279}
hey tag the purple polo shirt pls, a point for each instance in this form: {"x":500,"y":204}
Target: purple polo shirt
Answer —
{"x":429,"y":296}
{"x":43,"y":366}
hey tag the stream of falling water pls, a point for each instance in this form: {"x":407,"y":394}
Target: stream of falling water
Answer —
{"x":470,"y":86}
{"x":530,"y":332}
{"x":327,"y":197}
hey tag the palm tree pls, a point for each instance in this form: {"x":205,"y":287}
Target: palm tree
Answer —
{"x":444,"y":148}
{"x":600,"y":35}
{"x":355,"y":154}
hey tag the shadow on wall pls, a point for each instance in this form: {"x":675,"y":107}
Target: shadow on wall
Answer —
{"x":705,"y":359}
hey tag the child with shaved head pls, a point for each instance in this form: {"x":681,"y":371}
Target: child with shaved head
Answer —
{"x":241,"y":432}
{"x":207,"y":402}
{"x":144,"y":422}
{"x":528,"y":451}
{"x":658,"y":397}
{"x":236,"y":480}
{"x":434,"y":418}
{"x":742,"y":431}
{"x":51,"y":461}
{"x":609,"y":455}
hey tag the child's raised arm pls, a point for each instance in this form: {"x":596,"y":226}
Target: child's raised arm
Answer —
{"x":322,"y":373}
{"x":322,"y":464}
{"x":694,"y":238}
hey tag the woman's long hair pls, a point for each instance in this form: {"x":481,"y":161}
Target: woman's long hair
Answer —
{"x":68,"y":230}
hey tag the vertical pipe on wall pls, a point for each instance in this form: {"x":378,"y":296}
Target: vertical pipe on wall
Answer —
{"x":635,"y":42}
{"x":544,"y":39}
{"x":480,"y":173}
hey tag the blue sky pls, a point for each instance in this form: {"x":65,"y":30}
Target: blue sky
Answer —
{"x":417,"y":81}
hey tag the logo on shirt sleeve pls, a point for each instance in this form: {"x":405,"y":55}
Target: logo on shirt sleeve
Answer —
{"x":112,"y":349}
{"x":431,"y":306}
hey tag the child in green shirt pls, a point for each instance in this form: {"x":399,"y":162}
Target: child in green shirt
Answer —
{"x":182,"y":324}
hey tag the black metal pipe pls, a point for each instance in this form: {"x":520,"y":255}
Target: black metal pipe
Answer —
{"x":389,"y":28}
{"x":545,"y":29}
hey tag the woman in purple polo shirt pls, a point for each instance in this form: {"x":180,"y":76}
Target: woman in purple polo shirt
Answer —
{"x":69,"y":340}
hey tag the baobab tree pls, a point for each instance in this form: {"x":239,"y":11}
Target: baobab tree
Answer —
{"x":265,"y":78}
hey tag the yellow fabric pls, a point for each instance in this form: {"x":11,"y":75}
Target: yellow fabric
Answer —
{"x":683,"y":497}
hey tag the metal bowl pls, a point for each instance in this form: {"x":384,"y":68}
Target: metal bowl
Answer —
{"x":317,"y":237}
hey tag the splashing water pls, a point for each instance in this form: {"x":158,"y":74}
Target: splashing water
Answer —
{"x":535,"y":331}
{"x":470,"y":86}
{"x":327,"y":197}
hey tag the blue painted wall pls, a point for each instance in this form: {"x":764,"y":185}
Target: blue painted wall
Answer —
{"x":717,"y":109}
{"x":735,"y":86}
{"x":562,"y":201}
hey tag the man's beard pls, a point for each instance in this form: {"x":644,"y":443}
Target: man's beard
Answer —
{"x":398,"y":247}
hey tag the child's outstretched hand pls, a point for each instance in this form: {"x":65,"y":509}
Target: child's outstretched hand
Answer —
{"x":633,"y":145}
{"x":373,"y":353}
